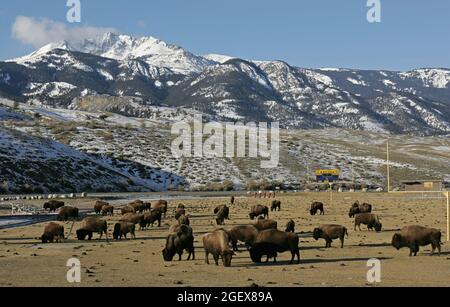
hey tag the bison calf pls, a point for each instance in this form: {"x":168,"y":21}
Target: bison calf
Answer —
{"x":330,"y":233}
{"x":415,"y":236}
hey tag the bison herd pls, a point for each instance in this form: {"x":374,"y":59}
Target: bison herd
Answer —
{"x":260,"y":236}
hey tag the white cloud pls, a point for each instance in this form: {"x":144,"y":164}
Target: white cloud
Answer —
{"x":41,"y":31}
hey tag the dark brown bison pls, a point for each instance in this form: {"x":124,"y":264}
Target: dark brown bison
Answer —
{"x":179,"y":212}
{"x":107,"y":209}
{"x":222,"y":214}
{"x":67,"y":213}
{"x":127,"y":209}
{"x":99,"y":205}
{"x":52,"y":232}
{"x":359,"y":208}
{"x":217,"y":244}
{"x":246,"y":234}
{"x":232,"y":200}
{"x":160,"y":205}
{"x":317,"y":206}
{"x":92,"y":225}
{"x":330,"y":233}
{"x":150,"y":218}
{"x":271,"y":242}
{"x":263,"y":224}
{"x":138,"y":206}
{"x":134,"y":218}
{"x":258,"y":210}
{"x":371,"y":220}
{"x":53,"y":205}
{"x":290,"y":226}
{"x":179,"y":241}
{"x":415,"y":236}
{"x":276,"y":205}
{"x":122,"y":229}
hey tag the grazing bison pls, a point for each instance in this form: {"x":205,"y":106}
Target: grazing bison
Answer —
{"x":371,"y":220}
{"x":263,"y":224}
{"x":415,"y":236}
{"x":99,"y":205}
{"x":91,"y":225}
{"x":317,"y":206}
{"x":222,"y":214}
{"x":160,"y":205}
{"x":359,"y":208}
{"x":134,"y":218}
{"x":184,"y":220}
{"x":217,"y":244}
{"x":276,"y":205}
{"x":179,"y":212}
{"x":290,"y":226}
{"x":150,"y":218}
{"x":258,"y":210}
{"x":179,"y":241}
{"x":122,"y":229}
{"x":330,"y":233}
{"x":271,"y":242}
{"x":246,"y":234}
{"x":67,"y":213}
{"x":127,"y":209}
{"x":53,"y":205}
{"x":107,"y":209}
{"x":138,"y":206}
{"x":52,"y":232}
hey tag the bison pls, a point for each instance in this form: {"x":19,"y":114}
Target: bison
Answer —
{"x":127,"y":209}
{"x":330,"y":233}
{"x":223,"y":213}
{"x":122,"y":229}
{"x":179,"y":241}
{"x":134,"y":218}
{"x":271,"y":242}
{"x":184,"y":220}
{"x":246,"y":234}
{"x":262,"y":224}
{"x":317,"y":206}
{"x":107,"y":209}
{"x":160,"y":205}
{"x":217,"y":244}
{"x":150,"y":218}
{"x":91,"y":225}
{"x":53,"y":205}
{"x":276,"y":205}
{"x":371,"y":220}
{"x":359,"y":208}
{"x":99,"y":205}
{"x":179,"y":212}
{"x":232,"y":200}
{"x":51,"y":232}
{"x":258,"y":210}
{"x":67,"y":213}
{"x":415,"y":236}
{"x":290,"y":226}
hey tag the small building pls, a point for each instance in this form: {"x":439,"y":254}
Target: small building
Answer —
{"x":423,"y":185}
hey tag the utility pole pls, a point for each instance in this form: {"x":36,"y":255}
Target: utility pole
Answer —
{"x":387,"y":167}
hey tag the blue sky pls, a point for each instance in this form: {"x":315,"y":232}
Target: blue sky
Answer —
{"x":306,"y":33}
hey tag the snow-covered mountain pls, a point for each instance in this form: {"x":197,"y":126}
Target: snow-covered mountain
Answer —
{"x":146,"y":72}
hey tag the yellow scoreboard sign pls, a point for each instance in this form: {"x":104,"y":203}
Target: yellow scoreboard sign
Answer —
{"x":320,"y":172}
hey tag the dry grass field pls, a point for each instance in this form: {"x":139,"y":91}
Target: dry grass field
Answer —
{"x":24,"y":261}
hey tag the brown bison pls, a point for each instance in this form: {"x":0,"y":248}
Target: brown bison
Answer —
{"x":371,"y":220}
{"x":223,"y":212}
{"x":52,"y":232}
{"x":181,"y":206}
{"x":276,"y":205}
{"x":99,"y":205}
{"x":150,"y":218}
{"x":53,"y":205}
{"x":134,"y":218}
{"x":359,"y":208}
{"x":138,"y":206}
{"x":232,"y":200}
{"x":179,"y":241}
{"x":107,"y":209}
{"x":217,"y":244}
{"x":246,"y":234}
{"x":91,"y":225}
{"x":184,"y":220}
{"x":263,"y":224}
{"x":330,"y":233}
{"x":160,"y":205}
{"x":122,"y":229}
{"x":415,"y":236}
{"x":127,"y":209}
{"x":271,"y":242}
{"x":317,"y":206}
{"x":290,"y":226}
{"x":258,"y":210}
{"x":67,"y":213}
{"x":179,"y":212}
